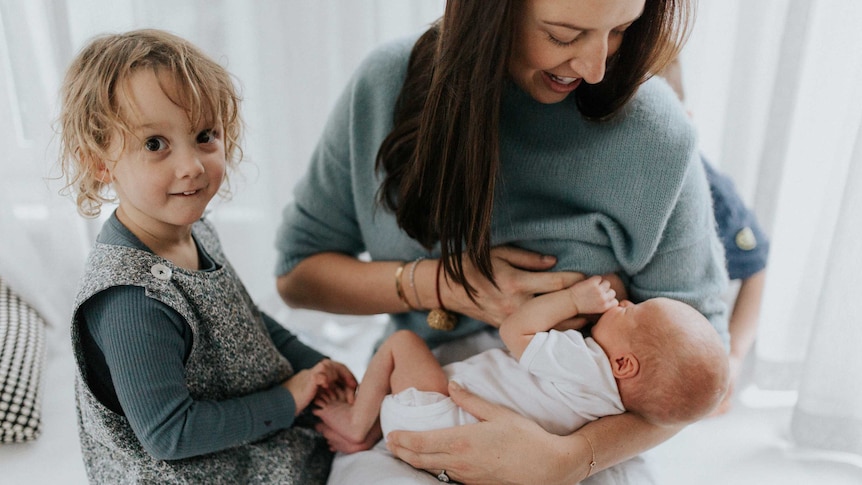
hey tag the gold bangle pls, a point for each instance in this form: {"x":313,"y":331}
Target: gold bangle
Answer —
{"x":413,"y":281}
{"x":398,"y":289}
{"x":440,"y":318}
{"x":593,"y":460}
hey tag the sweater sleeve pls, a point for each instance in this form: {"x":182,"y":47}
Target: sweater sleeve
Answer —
{"x":333,"y":203}
{"x":688,"y":264}
{"x":297,"y":353}
{"x":145,"y":344}
{"x":671,"y":233}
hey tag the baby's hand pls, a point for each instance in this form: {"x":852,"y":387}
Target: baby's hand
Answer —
{"x":593,"y":295}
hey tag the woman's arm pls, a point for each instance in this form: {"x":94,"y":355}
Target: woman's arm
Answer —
{"x":471,"y":454}
{"x":338,"y":283}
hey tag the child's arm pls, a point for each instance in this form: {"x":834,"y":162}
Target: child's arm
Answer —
{"x":326,"y":374}
{"x":303,"y":357}
{"x":144,"y":345}
{"x":300,"y":355}
{"x":593,"y":295}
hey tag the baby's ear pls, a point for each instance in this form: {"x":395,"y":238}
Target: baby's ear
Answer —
{"x":625,"y":366}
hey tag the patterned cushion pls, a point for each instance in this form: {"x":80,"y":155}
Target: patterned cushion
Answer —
{"x":22,"y":350}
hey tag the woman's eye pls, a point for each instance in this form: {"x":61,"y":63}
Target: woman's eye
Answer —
{"x":559,"y":42}
{"x":207,"y":136}
{"x":155,"y":144}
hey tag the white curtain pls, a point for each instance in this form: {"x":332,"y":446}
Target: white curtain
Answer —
{"x":772,"y":84}
{"x":783,"y":114}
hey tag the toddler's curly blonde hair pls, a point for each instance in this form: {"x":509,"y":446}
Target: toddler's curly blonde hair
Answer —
{"x":90,"y":114}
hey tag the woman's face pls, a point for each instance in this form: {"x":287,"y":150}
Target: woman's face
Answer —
{"x":561,"y":43}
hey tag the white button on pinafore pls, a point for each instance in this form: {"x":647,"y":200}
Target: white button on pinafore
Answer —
{"x":161,"y":271}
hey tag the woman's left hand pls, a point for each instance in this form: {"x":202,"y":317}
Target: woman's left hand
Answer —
{"x":473,"y":453}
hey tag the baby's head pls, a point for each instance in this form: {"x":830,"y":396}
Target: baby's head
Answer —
{"x":94,"y":112}
{"x":670,"y":364}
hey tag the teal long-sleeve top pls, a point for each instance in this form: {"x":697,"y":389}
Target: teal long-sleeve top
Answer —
{"x":137,"y":370}
{"x":628,"y":195}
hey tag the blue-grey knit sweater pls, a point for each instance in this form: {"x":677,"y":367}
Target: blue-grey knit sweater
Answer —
{"x":627,"y":195}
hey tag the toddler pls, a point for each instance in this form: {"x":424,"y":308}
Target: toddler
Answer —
{"x":181,"y":379}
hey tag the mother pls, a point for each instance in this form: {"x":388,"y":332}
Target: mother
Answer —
{"x":513,"y":143}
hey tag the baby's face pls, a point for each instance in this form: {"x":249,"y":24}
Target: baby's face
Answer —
{"x":615,"y":325}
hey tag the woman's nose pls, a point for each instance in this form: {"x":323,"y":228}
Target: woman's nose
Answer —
{"x":591,"y":61}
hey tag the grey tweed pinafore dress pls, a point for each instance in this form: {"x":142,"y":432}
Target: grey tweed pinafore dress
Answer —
{"x":232,"y":355}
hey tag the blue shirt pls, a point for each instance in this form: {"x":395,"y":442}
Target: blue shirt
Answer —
{"x":746,"y":247}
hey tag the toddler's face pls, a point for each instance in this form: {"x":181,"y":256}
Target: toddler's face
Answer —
{"x":167,"y":171}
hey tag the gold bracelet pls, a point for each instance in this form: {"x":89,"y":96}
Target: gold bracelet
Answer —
{"x":413,"y":281}
{"x":593,"y":460}
{"x":399,"y":290}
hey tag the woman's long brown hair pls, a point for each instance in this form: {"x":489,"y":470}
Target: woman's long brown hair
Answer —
{"x":442,"y":157}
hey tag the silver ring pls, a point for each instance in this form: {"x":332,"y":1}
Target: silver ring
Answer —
{"x":443,"y":477}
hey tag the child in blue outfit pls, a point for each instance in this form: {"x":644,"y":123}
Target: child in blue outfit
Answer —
{"x":746,"y":249}
{"x":181,"y":379}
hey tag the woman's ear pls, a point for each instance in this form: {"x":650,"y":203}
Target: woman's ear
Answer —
{"x":625,"y":366}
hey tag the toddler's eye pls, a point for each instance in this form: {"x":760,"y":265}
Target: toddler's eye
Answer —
{"x":207,"y":136}
{"x":155,"y":144}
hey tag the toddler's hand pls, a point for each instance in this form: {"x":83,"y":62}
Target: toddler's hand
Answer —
{"x":593,"y":295}
{"x":345,"y":381}
{"x":305,"y":384}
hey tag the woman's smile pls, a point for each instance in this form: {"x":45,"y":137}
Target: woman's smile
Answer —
{"x":561,"y":84}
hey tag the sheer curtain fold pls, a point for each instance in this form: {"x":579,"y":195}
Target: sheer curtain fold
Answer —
{"x":773,"y":85}
{"x":829,"y":412}
{"x":42,"y":240}
{"x":810,"y":327}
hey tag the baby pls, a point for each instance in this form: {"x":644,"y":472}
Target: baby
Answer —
{"x":660,"y":359}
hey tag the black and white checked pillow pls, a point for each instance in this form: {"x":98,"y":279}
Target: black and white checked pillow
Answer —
{"x":22,"y":331}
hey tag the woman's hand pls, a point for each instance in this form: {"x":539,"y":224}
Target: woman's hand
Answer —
{"x":473,"y":453}
{"x":520,"y":275}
